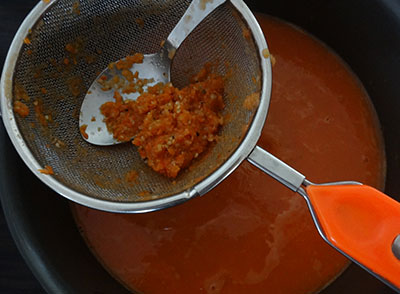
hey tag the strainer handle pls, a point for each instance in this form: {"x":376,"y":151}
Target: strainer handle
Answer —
{"x":196,"y":12}
{"x":357,"y":220}
{"x":276,"y":168}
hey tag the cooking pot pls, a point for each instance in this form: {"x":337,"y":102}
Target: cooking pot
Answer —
{"x":366,"y":34}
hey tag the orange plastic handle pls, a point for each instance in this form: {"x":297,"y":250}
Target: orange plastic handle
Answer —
{"x":362,"y":222}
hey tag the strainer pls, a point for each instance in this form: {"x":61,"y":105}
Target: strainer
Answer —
{"x":56,"y":78}
{"x":52,"y":80}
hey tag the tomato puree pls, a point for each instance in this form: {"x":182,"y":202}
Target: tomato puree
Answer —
{"x":251,"y":234}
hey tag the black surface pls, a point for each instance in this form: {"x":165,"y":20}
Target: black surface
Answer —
{"x":15,"y":276}
{"x":42,"y":224}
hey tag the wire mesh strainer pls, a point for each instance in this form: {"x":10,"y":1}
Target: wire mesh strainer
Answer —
{"x":41,"y":66}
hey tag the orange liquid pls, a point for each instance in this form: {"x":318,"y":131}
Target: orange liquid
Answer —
{"x":251,"y":234}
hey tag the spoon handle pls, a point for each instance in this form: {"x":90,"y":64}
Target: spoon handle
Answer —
{"x":196,"y":13}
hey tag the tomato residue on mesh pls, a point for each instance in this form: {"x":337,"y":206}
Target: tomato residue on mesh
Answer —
{"x":47,"y":170}
{"x":21,"y":108}
{"x":170,"y":126}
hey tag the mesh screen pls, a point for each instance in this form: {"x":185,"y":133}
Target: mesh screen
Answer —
{"x":105,"y":31}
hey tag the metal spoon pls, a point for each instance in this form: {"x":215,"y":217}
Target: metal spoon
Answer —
{"x":155,"y":66}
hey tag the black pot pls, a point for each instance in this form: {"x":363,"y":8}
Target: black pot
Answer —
{"x":365,"y":33}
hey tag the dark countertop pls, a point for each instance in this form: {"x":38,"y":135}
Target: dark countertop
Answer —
{"x":15,"y":276}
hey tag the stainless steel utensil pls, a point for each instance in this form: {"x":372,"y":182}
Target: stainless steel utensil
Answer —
{"x":155,"y":66}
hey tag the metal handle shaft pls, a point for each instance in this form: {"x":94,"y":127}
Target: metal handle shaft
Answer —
{"x":276,"y":168}
{"x":196,"y":12}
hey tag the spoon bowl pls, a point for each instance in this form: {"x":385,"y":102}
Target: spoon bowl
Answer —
{"x":155,"y":67}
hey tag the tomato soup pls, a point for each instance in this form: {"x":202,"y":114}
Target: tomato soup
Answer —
{"x":251,"y":234}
